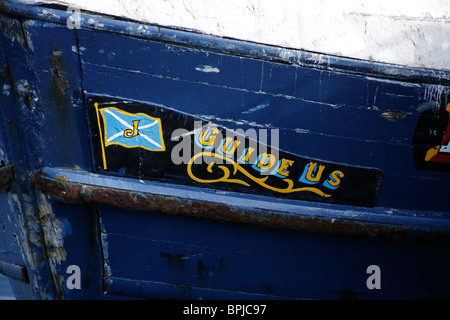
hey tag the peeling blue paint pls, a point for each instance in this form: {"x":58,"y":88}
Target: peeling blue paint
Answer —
{"x":207,"y":69}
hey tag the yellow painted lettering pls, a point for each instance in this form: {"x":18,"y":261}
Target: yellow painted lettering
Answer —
{"x":283,"y":166}
{"x":206,"y":139}
{"x":335,"y":180}
{"x":246,"y":157}
{"x":226,"y":146}
{"x":312,"y":175}
{"x":130,"y":133}
{"x":263,"y":164}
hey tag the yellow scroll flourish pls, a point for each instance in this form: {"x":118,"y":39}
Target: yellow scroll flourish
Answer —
{"x":236,"y":167}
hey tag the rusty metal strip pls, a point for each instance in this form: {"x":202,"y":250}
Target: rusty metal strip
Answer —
{"x":6,"y":177}
{"x":69,"y":192}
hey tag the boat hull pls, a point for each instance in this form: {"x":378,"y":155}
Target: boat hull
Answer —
{"x":97,"y":202}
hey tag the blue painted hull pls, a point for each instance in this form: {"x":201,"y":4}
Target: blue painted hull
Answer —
{"x":74,"y":196}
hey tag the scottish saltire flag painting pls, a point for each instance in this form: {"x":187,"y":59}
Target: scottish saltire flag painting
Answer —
{"x":131,"y":130}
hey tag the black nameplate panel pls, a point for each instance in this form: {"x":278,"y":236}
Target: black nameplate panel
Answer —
{"x":142,"y":141}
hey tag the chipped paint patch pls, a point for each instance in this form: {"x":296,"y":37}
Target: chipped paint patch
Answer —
{"x":54,"y":231}
{"x":207,"y":69}
{"x":29,"y":96}
{"x":393,"y":115}
{"x":286,"y":54}
{"x":5,"y":89}
{"x":258,"y":107}
{"x":26,"y":252}
{"x":80,"y":49}
{"x":26,"y":26}
{"x":434,"y":93}
{"x":96,"y":23}
{"x":12,"y":30}
{"x":49,"y":14}
{"x":303,"y":131}
{"x":23,"y":86}
{"x":400,"y":72}
{"x":107,"y":273}
{"x":316,"y":58}
{"x":373,"y":108}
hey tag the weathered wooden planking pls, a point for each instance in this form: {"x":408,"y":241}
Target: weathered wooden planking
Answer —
{"x":339,"y":110}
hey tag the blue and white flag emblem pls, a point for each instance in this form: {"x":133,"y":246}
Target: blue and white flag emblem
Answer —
{"x":132,"y":130}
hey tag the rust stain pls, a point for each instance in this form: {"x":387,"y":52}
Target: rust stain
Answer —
{"x":60,"y":85}
{"x":68,"y":191}
{"x":58,"y":94}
